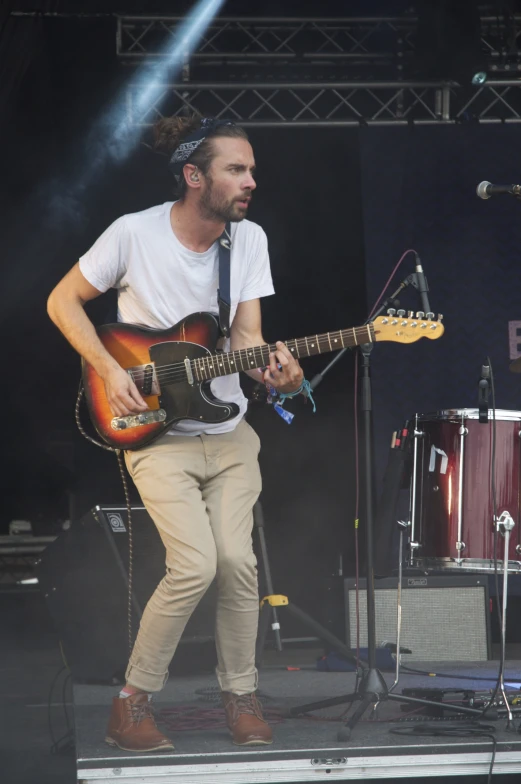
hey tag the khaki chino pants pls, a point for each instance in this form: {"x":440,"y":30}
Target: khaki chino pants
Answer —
{"x":200,"y":492}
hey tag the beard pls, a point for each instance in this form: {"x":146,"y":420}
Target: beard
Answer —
{"x":215,"y":207}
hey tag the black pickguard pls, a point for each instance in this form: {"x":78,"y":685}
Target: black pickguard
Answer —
{"x":182,"y":400}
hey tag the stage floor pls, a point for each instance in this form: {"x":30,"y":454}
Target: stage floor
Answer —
{"x":304,"y":749}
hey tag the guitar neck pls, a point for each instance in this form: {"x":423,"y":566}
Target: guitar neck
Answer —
{"x":259,"y":356}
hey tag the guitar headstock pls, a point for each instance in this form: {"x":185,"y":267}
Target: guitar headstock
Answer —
{"x":401,"y":327}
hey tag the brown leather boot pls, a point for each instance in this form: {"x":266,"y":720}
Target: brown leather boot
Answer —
{"x":132,"y":726}
{"x":245,"y":720}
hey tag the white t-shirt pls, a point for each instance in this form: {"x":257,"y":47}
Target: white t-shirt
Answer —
{"x":160,"y":282}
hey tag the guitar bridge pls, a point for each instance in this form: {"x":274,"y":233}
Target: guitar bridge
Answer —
{"x":138,"y":420}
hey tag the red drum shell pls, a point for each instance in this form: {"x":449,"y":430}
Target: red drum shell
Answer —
{"x":437,"y":497}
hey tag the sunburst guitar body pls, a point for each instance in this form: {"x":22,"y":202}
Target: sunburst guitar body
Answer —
{"x":173,"y":369}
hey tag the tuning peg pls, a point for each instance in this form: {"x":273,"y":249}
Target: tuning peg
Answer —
{"x":391,"y":311}
{"x":410,"y":314}
{"x":429,"y":316}
{"x":440,"y":316}
{"x":420,"y":314}
{"x":400,"y":313}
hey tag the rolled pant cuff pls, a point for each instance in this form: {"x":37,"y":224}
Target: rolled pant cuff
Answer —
{"x":146,"y":681}
{"x":238,"y":683}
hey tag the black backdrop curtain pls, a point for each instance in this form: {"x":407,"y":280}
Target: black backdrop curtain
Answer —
{"x":21,"y":41}
{"x":419,"y":191}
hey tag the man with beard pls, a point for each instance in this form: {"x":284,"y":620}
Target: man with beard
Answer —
{"x":199,"y":481}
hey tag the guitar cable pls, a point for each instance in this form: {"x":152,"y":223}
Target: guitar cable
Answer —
{"x":121,"y":466}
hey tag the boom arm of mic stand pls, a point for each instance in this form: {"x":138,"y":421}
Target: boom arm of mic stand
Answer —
{"x":389,"y":302}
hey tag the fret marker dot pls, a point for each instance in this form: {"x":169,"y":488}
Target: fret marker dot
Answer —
{"x":312,"y":345}
{"x":335,"y":340}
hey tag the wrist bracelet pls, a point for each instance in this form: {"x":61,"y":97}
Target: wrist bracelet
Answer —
{"x":287,"y":416}
{"x":304,"y":389}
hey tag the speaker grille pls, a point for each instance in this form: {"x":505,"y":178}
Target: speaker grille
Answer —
{"x":439,"y":623}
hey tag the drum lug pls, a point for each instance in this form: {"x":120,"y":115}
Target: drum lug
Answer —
{"x":414,"y":545}
{"x":463,"y":431}
{"x":460,"y":546}
{"x":518,"y":548}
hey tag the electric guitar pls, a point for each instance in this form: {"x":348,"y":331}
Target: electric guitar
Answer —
{"x":173,"y":368}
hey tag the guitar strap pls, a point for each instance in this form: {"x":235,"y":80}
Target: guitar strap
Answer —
{"x":223,"y":292}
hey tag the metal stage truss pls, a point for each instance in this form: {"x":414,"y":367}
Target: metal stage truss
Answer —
{"x":330,"y":104}
{"x":374,"y":40}
{"x":272,"y":40}
{"x":316,"y":72}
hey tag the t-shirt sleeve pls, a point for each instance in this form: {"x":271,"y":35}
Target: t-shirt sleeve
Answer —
{"x":258,"y":281}
{"x":104,"y":265}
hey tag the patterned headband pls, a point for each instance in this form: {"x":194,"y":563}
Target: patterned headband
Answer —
{"x":189,"y":145}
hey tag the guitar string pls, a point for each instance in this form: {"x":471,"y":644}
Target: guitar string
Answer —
{"x":206,"y":363}
{"x":205,"y":367}
{"x":177,"y":371}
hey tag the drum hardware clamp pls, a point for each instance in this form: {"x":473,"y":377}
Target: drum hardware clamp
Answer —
{"x":505,"y":519}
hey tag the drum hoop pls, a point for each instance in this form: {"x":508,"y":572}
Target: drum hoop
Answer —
{"x":469,"y":413}
{"x":448,"y":564}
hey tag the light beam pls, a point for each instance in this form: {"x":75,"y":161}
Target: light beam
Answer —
{"x":112,"y":137}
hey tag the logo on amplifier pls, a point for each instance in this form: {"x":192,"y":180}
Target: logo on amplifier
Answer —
{"x":116,"y":523}
{"x":415,"y":581}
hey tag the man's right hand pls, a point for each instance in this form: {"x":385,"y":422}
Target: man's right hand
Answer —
{"x":122,"y":394}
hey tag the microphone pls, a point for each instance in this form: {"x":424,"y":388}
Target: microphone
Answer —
{"x":484,"y":393}
{"x":485,"y":190}
{"x":423,"y":286}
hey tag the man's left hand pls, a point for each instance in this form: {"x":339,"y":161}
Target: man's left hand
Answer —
{"x":289,"y":376}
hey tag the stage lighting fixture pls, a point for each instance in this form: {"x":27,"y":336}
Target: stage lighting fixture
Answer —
{"x":479,"y":78}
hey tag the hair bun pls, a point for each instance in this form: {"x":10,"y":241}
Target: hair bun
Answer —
{"x":169,"y":132}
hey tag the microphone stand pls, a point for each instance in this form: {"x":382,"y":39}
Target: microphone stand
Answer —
{"x":371,"y":686}
{"x":410,"y":280}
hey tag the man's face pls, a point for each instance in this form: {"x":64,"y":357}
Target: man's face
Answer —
{"x":227,"y":187}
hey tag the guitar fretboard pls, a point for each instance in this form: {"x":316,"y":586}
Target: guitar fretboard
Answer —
{"x":211,"y":366}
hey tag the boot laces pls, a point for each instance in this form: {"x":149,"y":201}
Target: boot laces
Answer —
{"x":248,"y":703}
{"x":140,"y":712}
